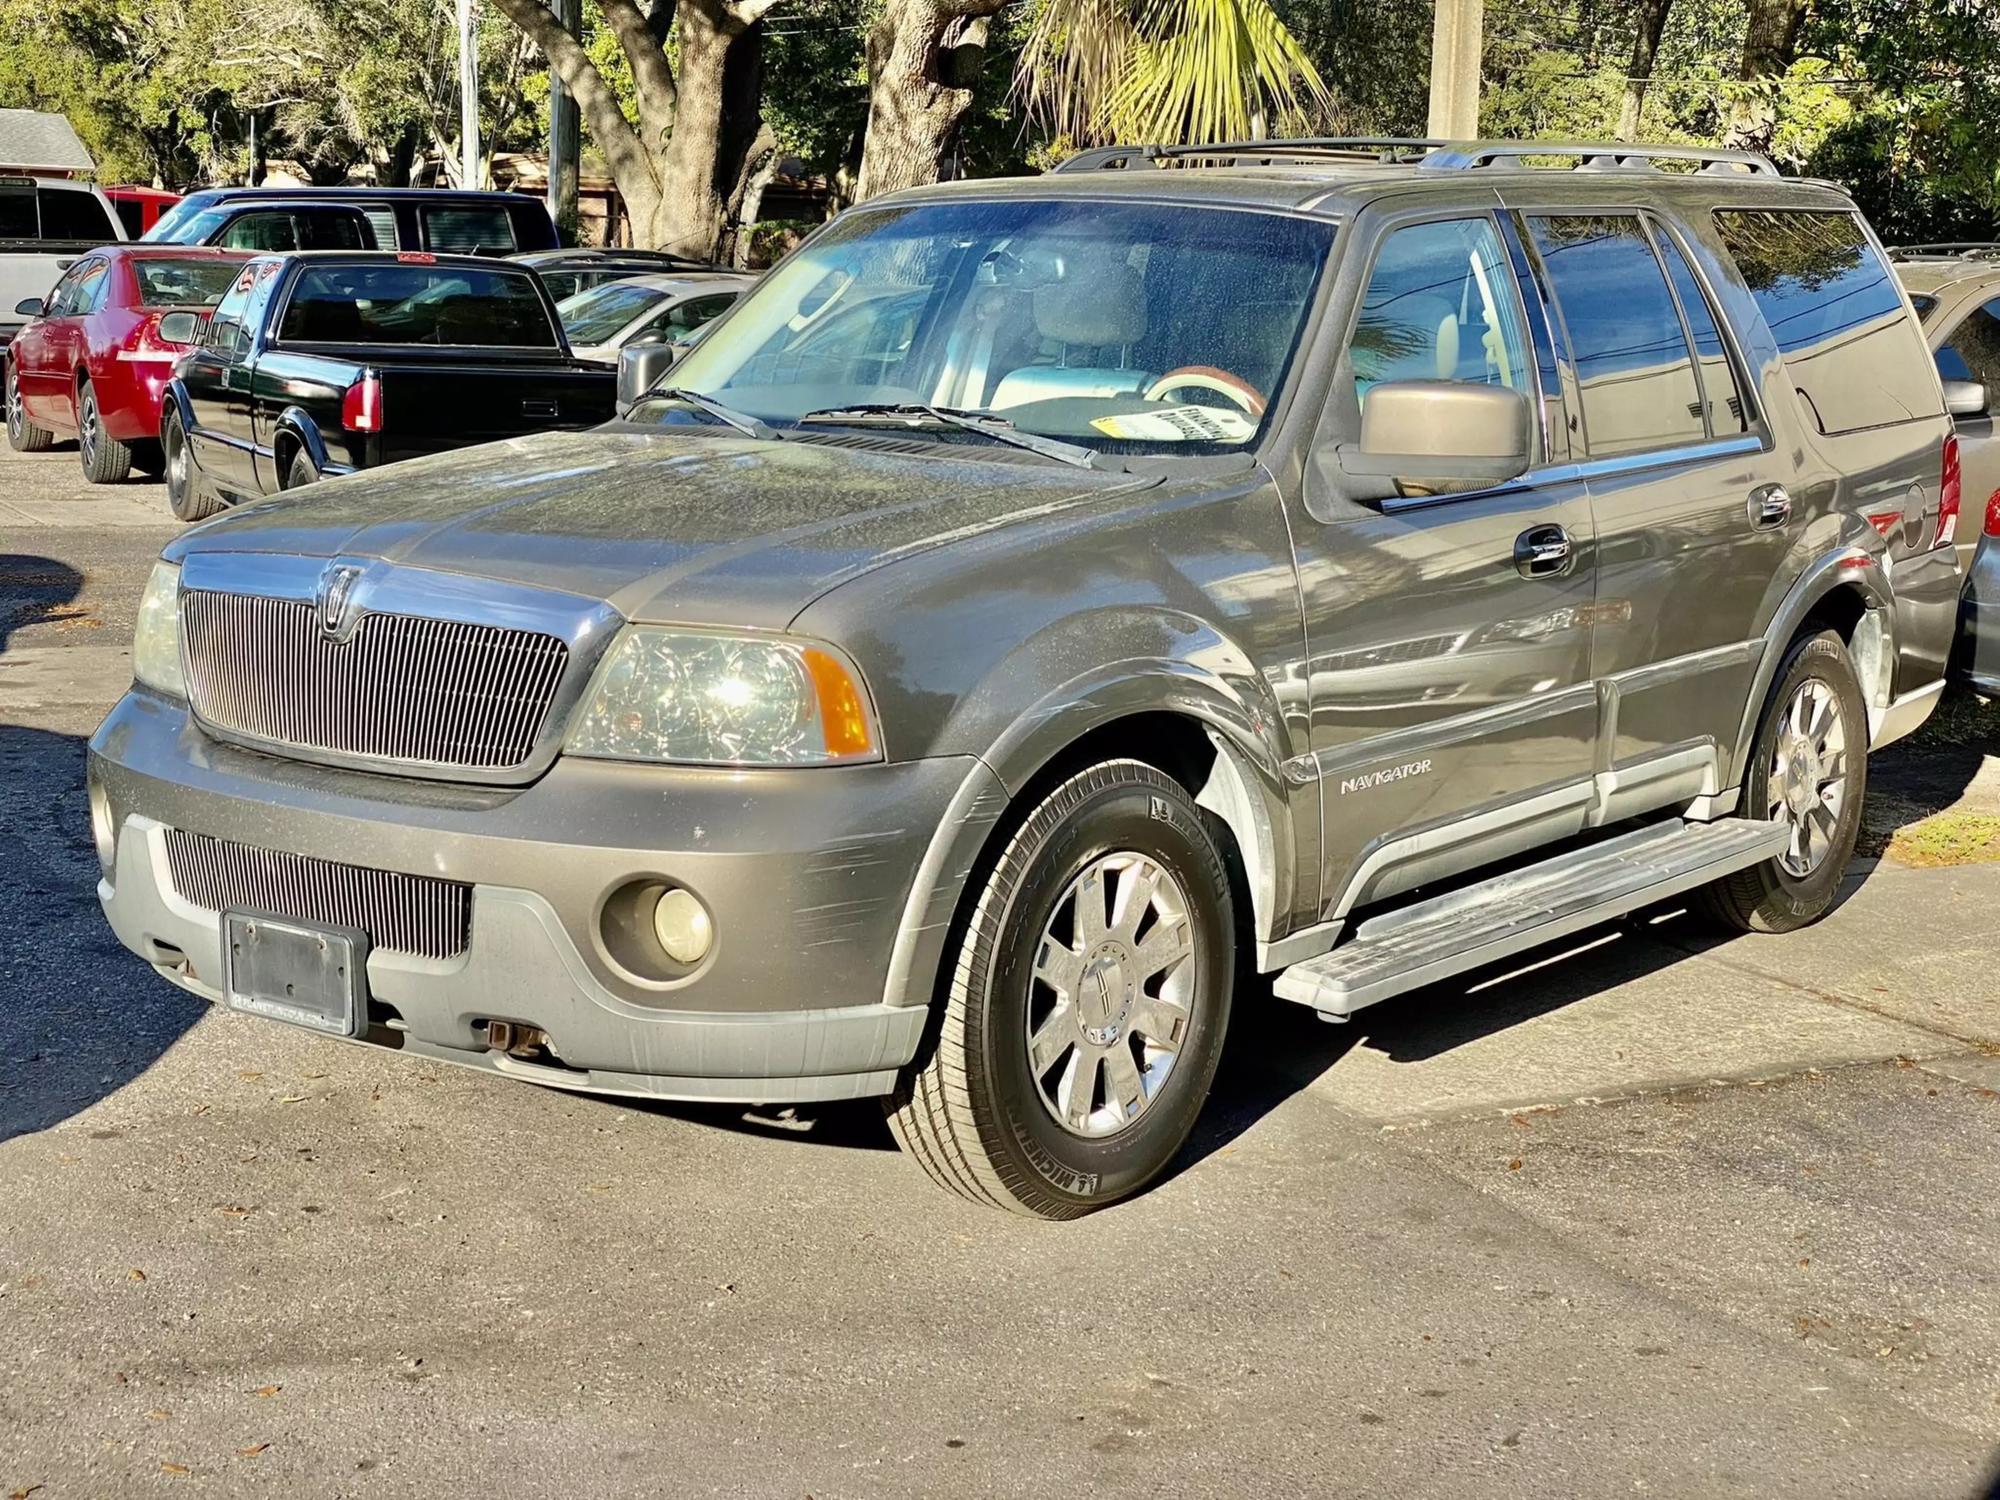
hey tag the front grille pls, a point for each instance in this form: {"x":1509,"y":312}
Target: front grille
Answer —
{"x":417,"y":914}
{"x":443,"y":693}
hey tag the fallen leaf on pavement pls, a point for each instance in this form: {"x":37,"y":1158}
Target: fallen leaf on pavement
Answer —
{"x":293,"y":1099}
{"x":172,"y":1468}
{"x":252,"y":1451}
{"x":159,"y":1414}
{"x":137,"y":1274}
{"x":22,"y":1494}
{"x":234,"y":1210}
{"x":249,"y":1073}
{"x":269,"y":1390}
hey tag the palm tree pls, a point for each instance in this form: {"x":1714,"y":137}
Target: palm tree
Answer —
{"x":1187,"y":71}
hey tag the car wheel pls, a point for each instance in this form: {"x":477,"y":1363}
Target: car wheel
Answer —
{"x":1808,"y":769}
{"x":1087,"y":1000}
{"x":300,"y":471}
{"x":23,"y":436}
{"x":105,"y":459}
{"x":185,"y":495}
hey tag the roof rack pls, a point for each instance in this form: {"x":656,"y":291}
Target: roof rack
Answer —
{"x":1593,"y":156}
{"x":1948,"y":250}
{"x":1389,"y":150}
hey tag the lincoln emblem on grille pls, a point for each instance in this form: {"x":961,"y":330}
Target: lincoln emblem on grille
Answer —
{"x":336,"y":588}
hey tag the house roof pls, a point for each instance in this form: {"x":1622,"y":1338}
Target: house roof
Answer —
{"x":40,"y":142}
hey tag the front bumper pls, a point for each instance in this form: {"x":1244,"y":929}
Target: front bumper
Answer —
{"x":806,"y":872}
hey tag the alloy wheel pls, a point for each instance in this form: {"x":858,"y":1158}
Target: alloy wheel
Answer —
{"x":1113,"y":985}
{"x":16,"y":417}
{"x":86,"y":426}
{"x":1809,"y":775}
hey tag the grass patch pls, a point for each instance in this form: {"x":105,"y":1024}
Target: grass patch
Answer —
{"x":1949,"y":838}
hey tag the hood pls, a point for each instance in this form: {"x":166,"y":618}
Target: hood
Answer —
{"x":666,"y":525}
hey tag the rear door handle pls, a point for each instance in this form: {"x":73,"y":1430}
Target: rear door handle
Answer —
{"x":1770,"y":506}
{"x":1542,"y":552}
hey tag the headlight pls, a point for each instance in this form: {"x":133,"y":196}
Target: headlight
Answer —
{"x":700,"y":698}
{"x":156,"y":641}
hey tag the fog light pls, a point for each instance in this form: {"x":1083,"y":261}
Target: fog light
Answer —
{"x":683,"y":927}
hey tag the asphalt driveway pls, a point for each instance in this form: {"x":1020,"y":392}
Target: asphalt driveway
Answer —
{"x":1656,"y":1214}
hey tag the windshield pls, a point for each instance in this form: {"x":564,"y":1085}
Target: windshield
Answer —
{"x":592,"y":317}
{"x":1124,"y":327}
{"x":184,"y":283}
{"x":170,"y":228}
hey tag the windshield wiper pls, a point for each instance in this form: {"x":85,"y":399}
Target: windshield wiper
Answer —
{"x":986,"y":424}
{"x":743,"y":422}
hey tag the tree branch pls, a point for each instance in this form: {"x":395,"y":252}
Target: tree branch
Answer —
{"x":652,"y":75}
{"x":630,"y":162}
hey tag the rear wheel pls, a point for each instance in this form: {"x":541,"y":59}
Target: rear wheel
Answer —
{"x":300,"y":471}
{"x":22,"y":435}
{"x":105,"y":459}
{"x":184,"y":492}
{"x":1088,"y":1000}
{"x":1808,"y":770}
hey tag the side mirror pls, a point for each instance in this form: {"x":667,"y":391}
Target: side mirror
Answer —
{"x":180,"y":328}
{"x":640,"y":368}
{"x":1965,"y":398}
{"x":1426,"y":433}
{"x":30,"y":307}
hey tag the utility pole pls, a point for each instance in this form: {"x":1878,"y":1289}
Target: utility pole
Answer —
{"x":1456,"y":35}
{"x":564,"y":129}
{"x":468,"y":97}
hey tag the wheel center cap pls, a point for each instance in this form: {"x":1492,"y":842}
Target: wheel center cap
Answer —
{"x":1104,"y":997}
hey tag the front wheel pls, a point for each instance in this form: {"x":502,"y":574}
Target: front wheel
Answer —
{"x":185,"y":496}
{"x":1807,"y":771}
{"x":1088,"y":1000}
{"x":22,"y":435}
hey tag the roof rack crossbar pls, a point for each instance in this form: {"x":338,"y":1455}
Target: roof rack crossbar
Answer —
{"x":1302,"y":148}
{"x":1600,"y":156}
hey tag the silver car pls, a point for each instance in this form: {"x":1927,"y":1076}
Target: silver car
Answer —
{"x":664,"y":309}
{"x":1956,"y":291}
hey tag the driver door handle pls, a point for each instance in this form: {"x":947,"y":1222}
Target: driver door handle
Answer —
{"x":1542,"y":552}
{"x":1770,"y":506}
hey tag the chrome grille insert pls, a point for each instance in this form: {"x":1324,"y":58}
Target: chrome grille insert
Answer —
{"x":418,"y":914}
{"x":401,"y":688}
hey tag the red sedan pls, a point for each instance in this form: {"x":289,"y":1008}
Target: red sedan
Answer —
{"x":90,"y":362}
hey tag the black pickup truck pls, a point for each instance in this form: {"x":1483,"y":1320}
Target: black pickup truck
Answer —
{"x":318,"y":364}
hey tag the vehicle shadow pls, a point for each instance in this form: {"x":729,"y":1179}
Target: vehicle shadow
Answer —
{"x":80,"y":1017}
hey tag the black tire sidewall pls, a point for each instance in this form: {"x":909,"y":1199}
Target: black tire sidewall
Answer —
{"x":1153,"y":818}
{"x":300,"y":471}
{"x":1789,"y":900}
{"x":183,"y":504}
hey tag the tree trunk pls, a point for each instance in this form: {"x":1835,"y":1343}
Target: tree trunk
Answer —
{"x":923,"y":59}
{"x":1652,"y":25}
{"x":1770,"y":43}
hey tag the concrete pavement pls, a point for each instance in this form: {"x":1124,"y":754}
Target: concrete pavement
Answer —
{"x":1658,"y":1214}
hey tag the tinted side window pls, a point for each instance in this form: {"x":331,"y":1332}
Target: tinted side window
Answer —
{"x":90,"y":292}
{"x":1439,"y":307}
{"x":264,"y":231}
{"x":1833,"y":307}
{"x":1718,"y":381}
{"x":382,"y":221}
{"x":1973,"y":350}
{"x":18,"y":219}
{"x":469,"y":231}
{"x":332,"y":229}
{"x":72,"y":215}
{"x":132,"y":215}
{"x":1633,"y":368}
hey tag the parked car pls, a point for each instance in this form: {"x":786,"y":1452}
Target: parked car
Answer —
{"x":90,"y":363}
{"x":1956,"y":290}
{"x":1362,"y":572}
{"x":439,"y":220}
{"x":567,"y":272}
{"x":139,"y":208}
{"x":647,"y":310}
{"x":45,"y":223}
{"x":316,"y":365}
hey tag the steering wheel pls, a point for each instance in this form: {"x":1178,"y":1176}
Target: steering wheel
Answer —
{"x":1207,"y":378}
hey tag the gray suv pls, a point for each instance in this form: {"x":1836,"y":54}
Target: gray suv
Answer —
{"x":1040,"y":605}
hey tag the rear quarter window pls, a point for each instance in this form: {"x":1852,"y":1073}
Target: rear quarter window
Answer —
{"x":468,"y":231}
{"x":1833,"y":307}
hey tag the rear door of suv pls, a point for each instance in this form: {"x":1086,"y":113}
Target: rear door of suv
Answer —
{"x":1690,"y":503}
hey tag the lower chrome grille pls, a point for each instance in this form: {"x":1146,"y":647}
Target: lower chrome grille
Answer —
{"x":398,"y":688}
{"x":417,"y":914}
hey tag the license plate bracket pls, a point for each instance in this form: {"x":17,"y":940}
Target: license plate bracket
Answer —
{"x":299,"y":972}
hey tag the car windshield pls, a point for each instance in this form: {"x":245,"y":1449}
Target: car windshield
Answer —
{"x":592,"y":317}
{"x":177,"y":225}
{"x":1125,"y":327}
{"x":184,"y":283}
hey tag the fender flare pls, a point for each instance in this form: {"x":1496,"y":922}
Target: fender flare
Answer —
{"x":1853,"y":569}
{"x":176,"y":396}
{"x":297,"y":422}
{"x":1245,"y":788}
